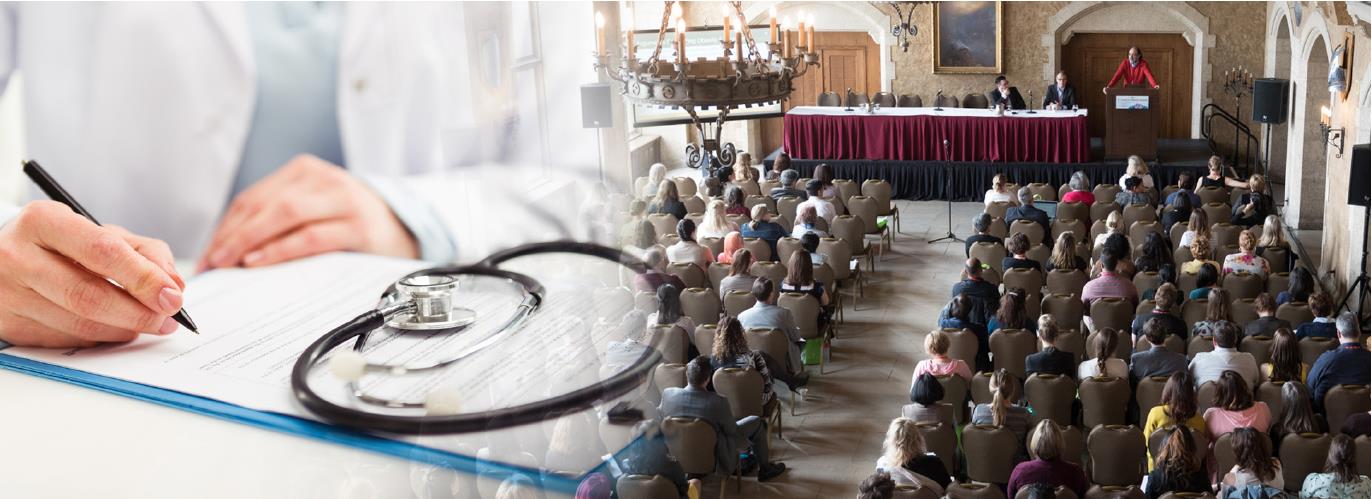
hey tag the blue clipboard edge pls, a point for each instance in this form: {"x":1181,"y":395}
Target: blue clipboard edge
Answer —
{"x":291,"y":424}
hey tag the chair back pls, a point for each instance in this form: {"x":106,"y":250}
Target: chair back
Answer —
{"x":735,"y":302}
{"x":1269,"y":392}
{"x":1215,"y":212}
{"x":1278,"y":258}
{"x":1212,"y":194}
{"x":1103,"y":400}
{"x":989,"y":254}
{"x":907,"y":100}
{"x":715,"y":244}
{"x":975,"y":101}
{"x":954,"y":394}
{"x":1193,"y":311}
{"x":1303,"y":454}
{"x":1030,"y":280}
{"x":1042,"y":191}
{"x":998,"y":228}
{"x":694,"y":205}
{"x":772,"y":342}
{"x":1071,"y":340}
{"x":645,"y":301}
{"x":1138,"y":231}
{"x":1061,"y":492}
{"x":1067,"y":281}
{"x":1117,"y":454}
{"x":946,"y":101}
{"x":1295,"y":312}
{"x":644,"y":487}
{"x":851,"y":230}
{"x":997,"y":209}
{"x":971,"y":490}
{"x":1243,"y":285}
{"x":742,"y":388}
{"x":1076,"y":226}
{"x":1074,"y":211}
{"x":692,"y":442}
{"x":761,"y":251}
{"x":1114,"y":492}
{"x":1030,"y":229}
{"x":1050,"y":396}
{"x":786,"y":246}
{"x":1198,"y":344}
{"x":1111,"y":312}
{"x":855,"y":99}
{"x":837,"y":255}
{"x":1259,"y":346}
{"x":829,"y":99}
{"x":663,"y":223}
{"x":804,"y":310}
{"x":701,"y":305}
{"x":1205,"y":396}
{"x":1009,"y":347}
{"x":963,"y":346}
{"x":1180,"y":255}
{"x":668,"y":376}
{"x":1174,"y":234}
{"x":884,"y":99}
{"x":1237,"y":193}
{"x":1103,"y":207}
{"x":758,"y":199}
{"x":879,"y":190}
{"x":865,"y":208}
{"x":704,"y":338}
{"x":774,"y":271}
{"x":689,"y":273}
{"x":846,"y":188}
{"x":1159,"y":438}
{"x":672,"y":342}
{"x":1224,"y":452}
{"x":1242,"y":311}
{"x":1343,"y":400}
{"x":786,"y":206}
{"x":942,"y":441}
{"x":1124,"y":348}
{"x":986,"y":449}
{"x":1149,"y":393}
{"x":716,"y":273}
{"x":1135,"y":213}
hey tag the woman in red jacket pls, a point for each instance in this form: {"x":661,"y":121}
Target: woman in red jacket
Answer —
{"x":1133,"y":70}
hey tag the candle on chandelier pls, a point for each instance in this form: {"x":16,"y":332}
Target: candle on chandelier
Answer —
{"x":627,"y":22}
{"x":810,"y":37}
{"x":786,"y":40}
{"x":724,"y":10}
{"x":599,"y":34}
{"x":800,"y":32}
{"x":681,"y":40}
{"x":738,"y":46}
{"x":772,"y":35}
{"x":1324,"y":115}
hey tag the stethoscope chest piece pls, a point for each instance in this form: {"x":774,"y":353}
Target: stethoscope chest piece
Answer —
{"x":433,"y":309}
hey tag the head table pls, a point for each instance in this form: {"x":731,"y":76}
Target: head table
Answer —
{"x":918,"y":134}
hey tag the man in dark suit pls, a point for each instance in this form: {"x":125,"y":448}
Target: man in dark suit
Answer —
{"x":1164,"y":299}
{"x":1027,"y":211}
{"x":985,"y":296}
{"x":1267,"y":322}
{"x":1050,"y":360}
{"x":1060,"y":95}
{"x":1157,"y":360}
{"x":695,"y":401}
{"x":1006,"y":95}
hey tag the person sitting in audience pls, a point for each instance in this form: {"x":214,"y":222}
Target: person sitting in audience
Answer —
{"x":959,"y":315}
{"x":1200,"y":256}
{"x":800,"y":278}
{"x":1065,"y":256}
{"x":656,"y":174}
{"x":667,"y":201}
{"x":713,"y":224}
{"x":738,"y":279}
{"x":1254,"y":464}
{"x":1081,"y":190}
{"x":1157,"y":360}
{"x":1000,"y":191}
{"x":810,"y":242}
{"x":628,"y":232}
{"x":788,"y":180}
{"x":733,"y":242}
{"x":823,"y":207}
{"x":1267,"y":322}
{"x":1253,"y":206}
{"x":981,"y":223}
{"x":1136,"y":167}
{"x":1049,"y":465}
{"x":1179,"y":209}
{"x":621,"y":354}
{"x":1110,"y":284}
{"x":1050,"y":360}
{"x":1027,"y":211}
{"x":1167,"y":274}
{"x":1018,"y":246}
{"x":1298,"y":287}
{"x":1006,"y":96}
{"x":1114,"y":224}
{"x":733,"y":201}
{"x":1286,"y":362}
{"x":1234,"y":407}
{"x":1357,"y":424}
{"x":1177,"y":469}
{"x":649,"y":456}
{"x":1245,"y":260}
{"x":825,"y":175}
{"x":1177,"y":408}
{"x":766,"y":314}
{"x":1197,"y":225}
{"x":1011,"y":313}
{"x":779,"y":166}
{"x":1154,"y":253}
{"x":1185,"y":189}
{"x":936,"y":344}
{"x":1216,"y":314}
{"x":687,"y":250}
{"x":762,"y":227}
{"x":655,"y":277}
{"x":696,"y":401}
{"x":909,"y":462}
{"x":1163,"y":300}
{"x":1134,"y":193}
{"x":1207,"y":279}
{"x":1002,"y":411}
{"x":1349,"y":364}
{"x":669,"y":311}
{"x":877,"y":486}
{"x":1216,"y":177}
{"x":730,"y":349}
{"x":743,"y":171}
{"x":1103,"y":364}
{"x":925,"y":394}
{"x":1209,"y":366}
{"x":1272,"y":238}
{"x":1322,"y":326}
{"x":1118,"y":245}
{"x":984,"y":294}
{"x":1297,"y":415}
{"x":644,"y":239}
{"x":807,"y":222}
{"x":1341,"y":478}
{"x":713,"y":187}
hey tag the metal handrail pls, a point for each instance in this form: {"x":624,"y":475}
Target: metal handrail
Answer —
{"x":1251,"y":145}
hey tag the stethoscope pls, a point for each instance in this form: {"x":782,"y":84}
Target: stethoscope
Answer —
{"x":423,"y":302}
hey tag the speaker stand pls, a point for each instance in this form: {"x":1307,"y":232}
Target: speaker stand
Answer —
{"x":948,"y":194}
{"x":599,"y":157}
{"x":1361,"y":284}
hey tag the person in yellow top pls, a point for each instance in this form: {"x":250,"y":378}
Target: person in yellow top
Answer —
{"x":1178,"y":404}
{"x":1286,"y":362}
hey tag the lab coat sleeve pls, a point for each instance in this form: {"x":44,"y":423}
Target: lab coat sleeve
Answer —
{"x":434,"y":239}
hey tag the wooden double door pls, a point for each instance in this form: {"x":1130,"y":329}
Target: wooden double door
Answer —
{"x":846,"y":60}
{"x":1090,"y":59}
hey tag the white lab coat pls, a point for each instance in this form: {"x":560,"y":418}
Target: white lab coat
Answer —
{"x":141,"y":110}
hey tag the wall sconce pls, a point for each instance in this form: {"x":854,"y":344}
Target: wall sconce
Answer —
{"x":1332,"y":136}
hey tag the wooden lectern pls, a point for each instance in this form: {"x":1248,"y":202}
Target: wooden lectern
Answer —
{"x":1131,"y":122}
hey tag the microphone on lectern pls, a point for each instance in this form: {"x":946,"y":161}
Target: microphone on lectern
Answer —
{"x":938,"y":97}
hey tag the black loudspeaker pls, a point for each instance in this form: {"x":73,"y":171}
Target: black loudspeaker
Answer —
{"x":1358,"y":178}
{"x":595,"y":106}
{"x":1270,"y":100}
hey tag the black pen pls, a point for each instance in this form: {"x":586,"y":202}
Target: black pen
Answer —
{"x":57,"y":193}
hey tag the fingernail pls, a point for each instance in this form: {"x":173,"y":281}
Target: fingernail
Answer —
{"x":252,"y":258}
{"x":168,"y":326}
{"x":170,"y":299}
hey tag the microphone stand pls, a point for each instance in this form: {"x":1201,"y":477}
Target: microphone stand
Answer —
{"x":938,"y":97}
{"x":1030,"y":104}
{"x":948,"y":194}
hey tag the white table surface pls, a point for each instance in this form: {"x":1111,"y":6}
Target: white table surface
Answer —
{"x":928,"y":111}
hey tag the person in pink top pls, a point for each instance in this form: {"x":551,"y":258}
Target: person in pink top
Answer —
{"x":936,"y":344}
{"x":1234,"y":408}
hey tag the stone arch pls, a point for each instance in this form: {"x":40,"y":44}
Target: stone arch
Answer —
{"x":845,"y":16}
{"x":1305,"y":158}
{"x":1277,"y":62}
{"x":1196,"y":31}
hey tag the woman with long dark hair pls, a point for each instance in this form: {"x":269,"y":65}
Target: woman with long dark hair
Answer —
{"x":1178,"y":407}
{"x":731,"y":350}
{"x":1177,"y":469}
{"x":1340,"y":479}
{"x":1253,"y":461}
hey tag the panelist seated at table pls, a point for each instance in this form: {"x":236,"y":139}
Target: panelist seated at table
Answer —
{"x":1060,"y":95}
{"x":1133,"y":70}
{"x":1006,"y":95}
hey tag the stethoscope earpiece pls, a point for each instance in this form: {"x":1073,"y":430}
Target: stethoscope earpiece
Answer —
{"x":348,"y":365}
{"x":442,"y":402}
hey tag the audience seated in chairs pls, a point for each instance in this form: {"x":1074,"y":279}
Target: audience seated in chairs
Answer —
{"x":1179,"y":407}
{"x":696,"y":401}
{"x":788,"y":180}
{"x":1180,"y":205}
{"x":738,"y":279}
{"x":733,"y":242}
{"x":1011,"y":314}
{"x":1050,"y":360}
{"x":1254,"y":464}
{"x":1286,"y":362}
{"x":1000,"y":191}
{"x":733,"y":201}
{"x":909,"y":462}
{"x":810,"y":243}
{"x":1341,"y":478}
{"x":713,"y":224}
{"x":1110,"y":283}
{"x":1064,"y":255}
{"x":1018,"y":246}
{"x":667,"y":201}
{"x":1210,"y":366}
{"x":1234,"y":407}
{"x":1246,"y":260}
{"x":1267,"y":322}
{"x":1118,"y":245}
{"x":960,"y":314}
{"x":762,"y":227}
{"x":925,"y":394}
{"x":877,"y":486}
{"x":1299,"y":288}
{"x":648,"y":455}
{"x":1297,"y":415}
{"x":985,"y":295}
{"x":1323,"y":324}
{"x":1114,"y":225}
{"x":1154,"y":253}
{"x":1196,"y":226}
{"x":1216,"y":314}
{"x":1207,"y":274}
{"x":687,"y":250}
{"x":766,"y":314}
{"x":800,"y":278}
{"x":981,"y":223}
{"x":823,"y":207}
{"x":1216,"y":177}
{"x":656,"y":174}
{"x":807,"y":222}
{"x":1134,"y":193}
{"x":936,"y":345}
{"x":1349,"y":364}
{"x":1104,"y":364}
{"x":1157,"y":360}
{"x":1177,"y":469}
{"x":669,"y":311}
{"x":1164,"y":298}
{"x":779,"y":165}
{"x":1253,"y":206}
{"x":1186,"y":188}
{"x":1081,"y":190}
{"x":655,"y":277}
{"x":1136,"y":167}
{"x":1167,"y":274}
{"x":1002,"y":410}
{"x":1049,"y":465}
{"x":1027,"y":211}
{"x":731,"y":350}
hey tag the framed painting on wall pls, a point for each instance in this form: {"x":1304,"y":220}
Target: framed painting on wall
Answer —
{"x":967,"y":37}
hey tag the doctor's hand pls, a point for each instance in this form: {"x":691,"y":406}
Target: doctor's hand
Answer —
{"x":55,"y":272}
{"x":308,"y":207}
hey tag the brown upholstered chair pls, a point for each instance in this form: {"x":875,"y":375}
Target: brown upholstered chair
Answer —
{"x":987,"y":449}
{"x":692,"y":442}
{"x":1313,"y":347}
{"x":1198,"y":437}
{"x":1295,"y":312}
{"x":701,"y":305}
{"x":1117,"y":455}
{"x":1198,"y":344}
{"x":1205,"y":396}
{"x":1114,"y":492}
{"x":1060,"y":492}
{"x":1114,"y":313}
{"x":1149,"y":394}
{"x":907,"y":100}
{"x":1051,"y":397}
{"x":989,"y":254}
{"x":1301,"y":455}
{"x":963,"y":346}
{"x":1259,"y":346}
{"x":1243,"y":285}
{"x":689,"y":273}
{"x":1009,"y":347}
{"x":1103,"y":400}
{"x":970,"y":490}
{"x":955,"y":394}
{"x":735,"y":302}
{"x":1030,"y":229}
{"x":1343,"y":400}
{"x":1269,"y":392}
{"x":942,"y":441}
{"x":981,"y":388}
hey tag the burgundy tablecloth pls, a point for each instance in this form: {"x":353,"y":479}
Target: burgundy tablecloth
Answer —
{"x":991,"y":138}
